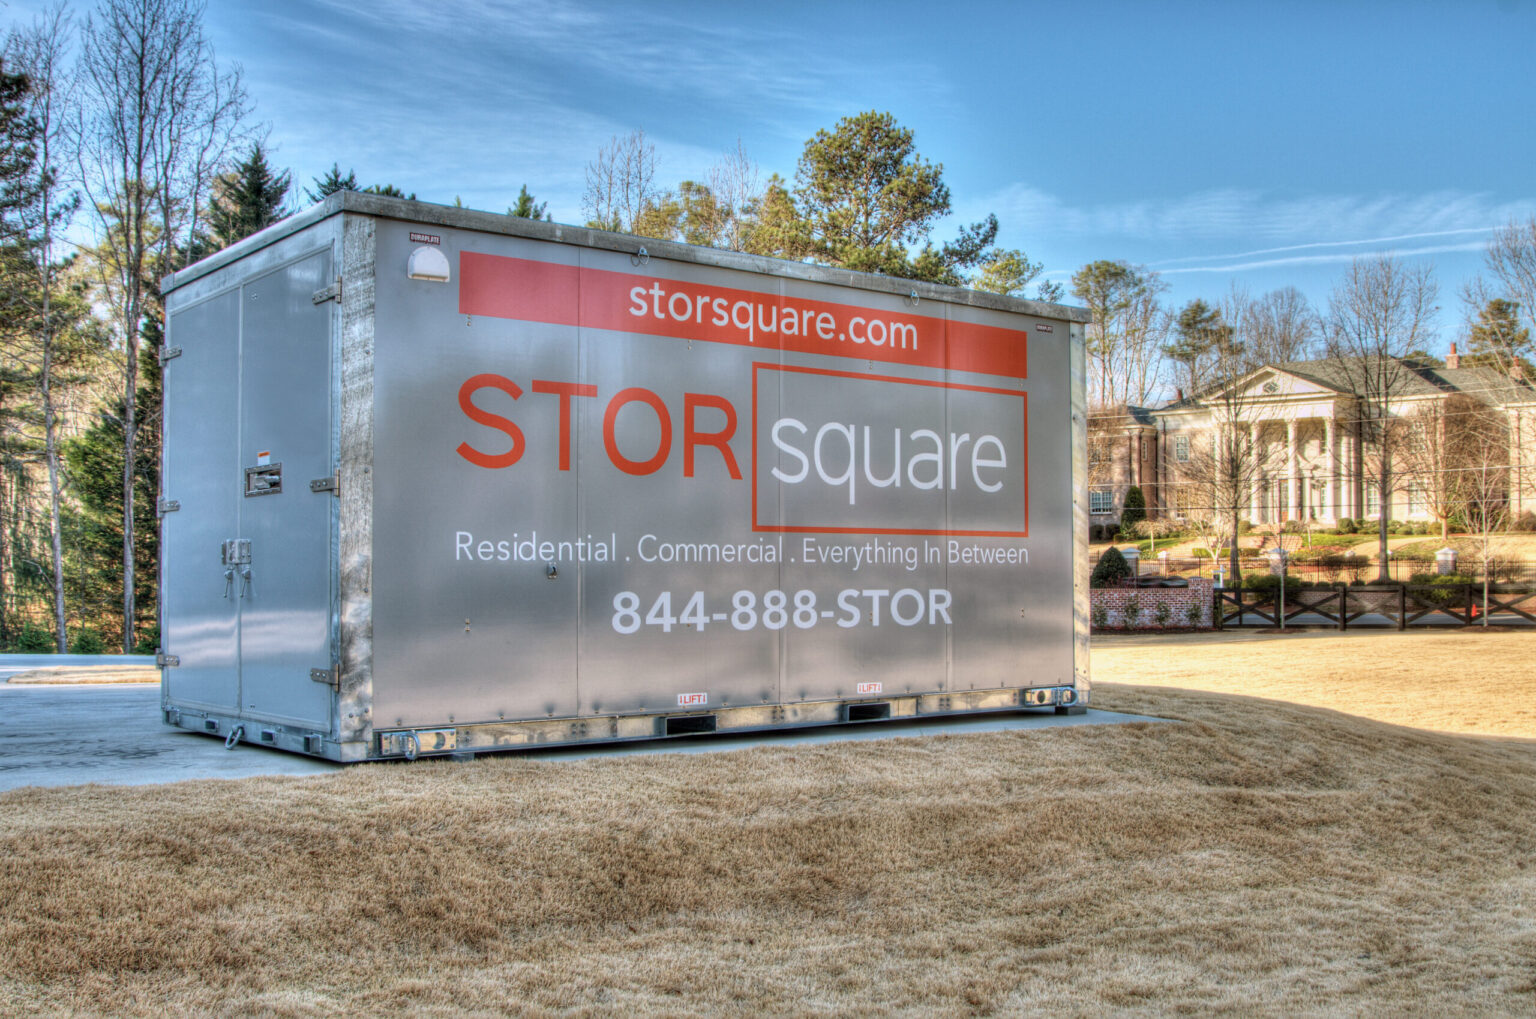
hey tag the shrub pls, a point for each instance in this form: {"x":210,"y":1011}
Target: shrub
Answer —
{"x":1268,"y":583}
{"x":1132,"y":611}
{"x":1451,"y":582}
{"x":1526,"y":521}
{"x":1100,"y":616}
{"x":1346,"y":525}
{"x":1245,"y":527}
{"x":35,"y":640}
{"x":1163,"y":613}
{"x":149,"y":641}
{"x":87,"y":642}
{"x":1133,"y":511}
{"x":1192,"y":615}
{"x":1110,"y":569}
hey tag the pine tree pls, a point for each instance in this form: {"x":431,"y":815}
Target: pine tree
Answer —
{"x":1201,"y":333}
{"x":1497,"y":338}
{"x":527,"y":208}
{"x":250,"y":199}
{"x":331,"y":183}
{"x":94,"y":531}
{"x":388,"y":191}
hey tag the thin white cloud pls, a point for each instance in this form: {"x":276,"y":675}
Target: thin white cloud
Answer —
{"x":1252,"y":215}
{"x":1328,"y":244}
{"x":1324,"y":259}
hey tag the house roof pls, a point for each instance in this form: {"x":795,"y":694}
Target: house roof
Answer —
{"x":1416,"y":379}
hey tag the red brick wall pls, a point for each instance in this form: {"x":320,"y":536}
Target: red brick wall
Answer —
{"x":1114,"y":601}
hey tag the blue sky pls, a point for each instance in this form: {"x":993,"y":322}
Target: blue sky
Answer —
{"x":1261,"y":144}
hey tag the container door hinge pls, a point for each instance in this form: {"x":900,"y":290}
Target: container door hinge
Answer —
{"x":331,"y":484}
{"x":166,"y":353}
{"x":330,"y":293}
{"x":330,"y":677}
{"x":165,"y":506}
{"x":166,"y":661}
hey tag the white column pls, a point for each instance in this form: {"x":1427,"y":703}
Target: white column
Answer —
{"x":1292,"y":474}
{"x":1331,"y":479}
{"x":1253,"y":494}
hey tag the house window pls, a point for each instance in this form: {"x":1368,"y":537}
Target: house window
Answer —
{"x":1101,"y":501}
{"x":1181,"y":448}
{"x":1416,"y":501}
{"x":1372,"y":499}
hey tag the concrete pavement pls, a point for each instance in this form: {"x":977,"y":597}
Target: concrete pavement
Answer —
{"x":69,"y":735}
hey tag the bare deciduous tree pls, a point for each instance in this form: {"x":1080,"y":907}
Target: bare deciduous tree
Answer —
{"x":737,"y":187}
{"x":1439,"y":439}
{"x":1126,"y":332}
{"x":1226,"y":464}
{"x":1281,"y":326}
{"x":40,"y":52}
{"x":157,"y":117}
{"x":1381,"y":309}
{"x":621,"y":183}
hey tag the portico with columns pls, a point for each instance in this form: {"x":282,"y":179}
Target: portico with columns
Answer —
{"x":1301,"y":419}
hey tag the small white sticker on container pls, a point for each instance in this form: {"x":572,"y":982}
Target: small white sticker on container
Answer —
{"x":263,"y":458}
{"x":870,"y":687}
{"x":692,"y":700}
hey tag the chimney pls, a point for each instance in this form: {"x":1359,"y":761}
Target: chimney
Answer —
{"x":1453,"y":359}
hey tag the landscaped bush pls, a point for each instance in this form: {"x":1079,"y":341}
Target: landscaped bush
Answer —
{"x":1110,"y":569}
{"x":1526,"y":521}
{"x":1453,"y":583}
{"x":1346,"y":525}
{"x":1133,"y":511}
{"x":1205,"y":553}
{"x":1131,"y":613}
{"x":87,"y":642}
{"x":1269,"y":583}
{"x":35,"y":640}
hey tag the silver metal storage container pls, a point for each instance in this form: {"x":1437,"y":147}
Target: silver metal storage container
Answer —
{"x":447,"y":481}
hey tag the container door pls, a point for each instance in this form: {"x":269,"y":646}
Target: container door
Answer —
{"x":199,"y":599}
{"x":285,"y":444}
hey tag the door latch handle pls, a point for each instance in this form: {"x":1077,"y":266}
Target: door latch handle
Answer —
{"x":229,"y":582}
{"x":245,"y":581}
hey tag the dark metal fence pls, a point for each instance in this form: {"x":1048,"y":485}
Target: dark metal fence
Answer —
{"x":1344,"y":606}
{"x":1342,"y":569}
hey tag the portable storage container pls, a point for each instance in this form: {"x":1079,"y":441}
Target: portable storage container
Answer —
{"x":446,"y":481}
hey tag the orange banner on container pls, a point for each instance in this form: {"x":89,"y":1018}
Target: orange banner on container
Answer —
{"x":497,"y":286}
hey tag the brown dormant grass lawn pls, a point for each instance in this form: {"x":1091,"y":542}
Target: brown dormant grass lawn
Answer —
{"x":1255,"y":857}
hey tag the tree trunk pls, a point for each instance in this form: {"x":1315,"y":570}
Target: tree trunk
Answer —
{"x":1383,"y":573}
{"x":51,"y":449}
{"x":130,"y":429}
{"x":1233,"y":569}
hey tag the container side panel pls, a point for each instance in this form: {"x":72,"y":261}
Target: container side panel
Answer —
{"x":285,"y":411}
{"x":606,"y":484}
{"x":200,"y":604}
{"x":472,"y":506}
{"x":665,"y":475}
{"x":1013,"y":610}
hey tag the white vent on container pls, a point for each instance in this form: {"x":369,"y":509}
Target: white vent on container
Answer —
{"x":428,"y":263}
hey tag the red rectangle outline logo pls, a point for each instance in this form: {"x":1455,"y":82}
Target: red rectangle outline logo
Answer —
{"x":808,"y":529}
